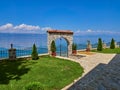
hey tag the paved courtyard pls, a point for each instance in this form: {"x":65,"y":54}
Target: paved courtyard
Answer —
{"x":101,"y":72}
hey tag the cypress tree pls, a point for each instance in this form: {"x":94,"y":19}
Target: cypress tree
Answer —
{"x":53,"y":46}
{"x":74,"y":46}
{"x":112,"y":45}
{"x":99,"y":47}
{"x":34,"y":53}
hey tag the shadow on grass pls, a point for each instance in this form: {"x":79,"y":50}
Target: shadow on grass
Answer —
{"x":12,"y":70}
{"x":102,"y":77}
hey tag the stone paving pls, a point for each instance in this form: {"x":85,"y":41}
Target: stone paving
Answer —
{"x":102,"y":72}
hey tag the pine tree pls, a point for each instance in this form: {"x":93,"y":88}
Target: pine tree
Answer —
{"x":34,"y":53}
{"x":99,"y":47}
{"x":112,"y":45}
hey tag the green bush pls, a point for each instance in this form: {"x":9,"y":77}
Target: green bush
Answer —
{"x":53,"y":46}
{"x":34,"y":53}
{"x":99,"y":47}
{"x":112,"y":44}
{"x":74,"y":46}
{"x":34,"y":86}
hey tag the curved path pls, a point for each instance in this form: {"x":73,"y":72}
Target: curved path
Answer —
{"x":93,"y":67}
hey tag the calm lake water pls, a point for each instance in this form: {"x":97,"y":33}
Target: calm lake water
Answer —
{"x":25,"y":42}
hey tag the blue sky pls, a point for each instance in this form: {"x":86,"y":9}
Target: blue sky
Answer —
{"x":80,"y":16}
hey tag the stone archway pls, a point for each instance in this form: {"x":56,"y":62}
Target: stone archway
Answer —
{"x":55,"y":34}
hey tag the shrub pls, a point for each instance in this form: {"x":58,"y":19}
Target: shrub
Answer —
{"x":112,"y":45}
{"x":34,"y":53}
{"x":99,"y":47}
{"x":34,"y":86}
{"x":53,"y":46}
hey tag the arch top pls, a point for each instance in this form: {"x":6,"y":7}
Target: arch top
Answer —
{"x":60,"y":31}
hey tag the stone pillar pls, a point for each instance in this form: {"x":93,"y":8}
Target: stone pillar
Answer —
{"x":104,"y":45}
{"x":50,"y":39}
{"x":70,"y":42}
{"x":116,"y":46}
{"x":89,"y":46}
{"x":12,"y":53}
{"x":48,"y":43}
{"x":69,"y":49}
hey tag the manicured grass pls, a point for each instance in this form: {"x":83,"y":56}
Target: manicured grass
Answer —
{"x":52,"y":73}
{"x":108,"y":50}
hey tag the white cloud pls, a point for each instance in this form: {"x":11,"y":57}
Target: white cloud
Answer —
{"x":96,"y":32}
{"x":7,"y":26}
{"x":89,"y":30}
{"x":27,"y":27}
{"x":22,"y":28}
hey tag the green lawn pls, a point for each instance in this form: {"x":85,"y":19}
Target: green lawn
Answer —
{"x":108,"y":50}
{"x":51,"y":73}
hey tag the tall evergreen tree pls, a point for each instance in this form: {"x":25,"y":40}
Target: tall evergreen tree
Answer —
{"x":74,"y":46}
{"x":112,"y":44}
{"x":53,"y":46}
{"x":34,"y":53}
{"x":99,"y":47}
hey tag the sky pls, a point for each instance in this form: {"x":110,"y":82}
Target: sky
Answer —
{"x":81,"y":16}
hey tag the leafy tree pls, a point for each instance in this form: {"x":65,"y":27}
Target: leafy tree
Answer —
{"x":34,"y":53}
{"x":112,"y":45}
{"x":53,"y":46}
{"x":99,"y":47}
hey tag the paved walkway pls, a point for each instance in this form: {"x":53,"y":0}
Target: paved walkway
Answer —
{"x":93,"y":67}
{"x":92,"y":61}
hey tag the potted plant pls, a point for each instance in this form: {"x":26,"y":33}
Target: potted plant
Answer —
{"x":74,"y":48}
{"x":53,"y":49}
